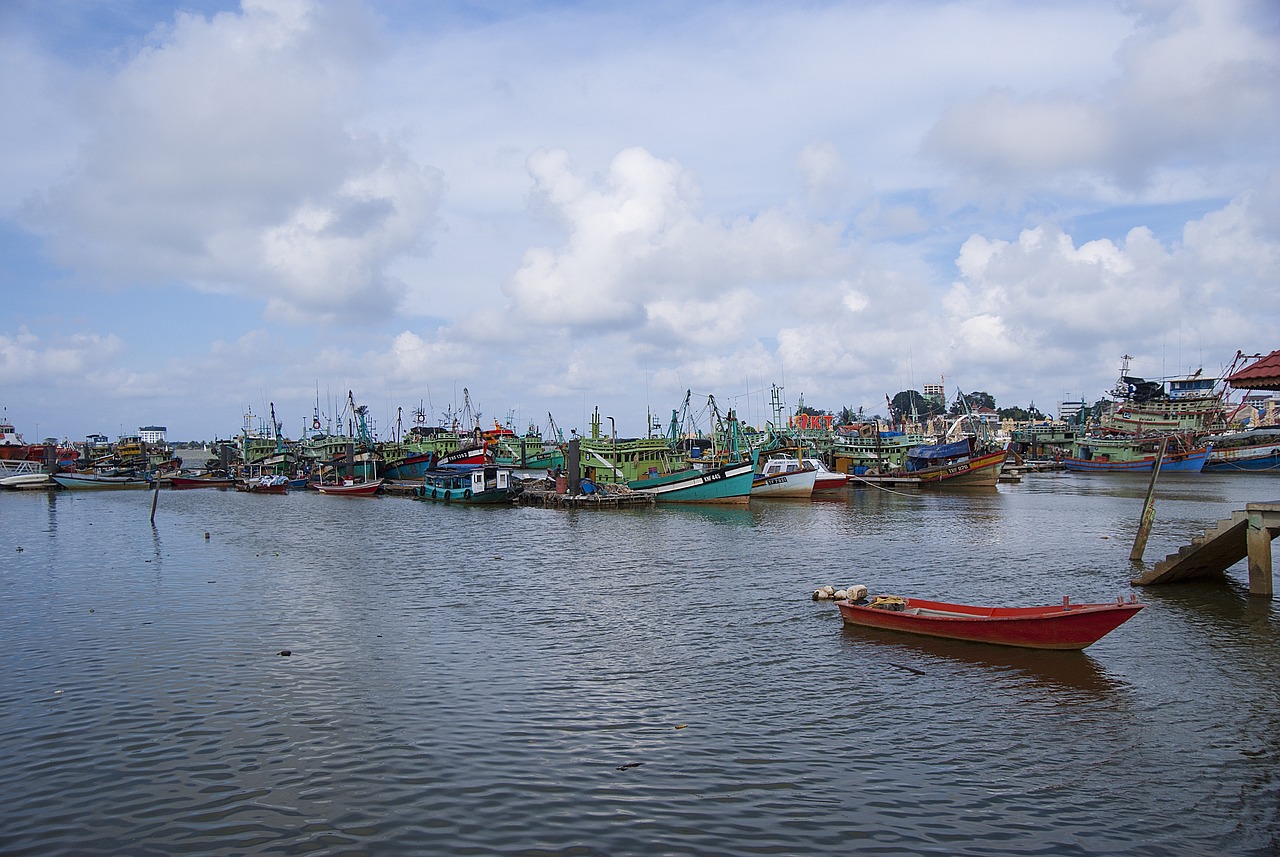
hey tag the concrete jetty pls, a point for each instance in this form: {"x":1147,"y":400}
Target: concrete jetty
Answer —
{"x":1247,"y":533}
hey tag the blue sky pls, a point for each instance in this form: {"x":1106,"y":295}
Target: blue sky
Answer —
{"x":207,"y":207}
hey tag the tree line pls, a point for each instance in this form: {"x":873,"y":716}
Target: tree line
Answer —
{"x":912,"y":404}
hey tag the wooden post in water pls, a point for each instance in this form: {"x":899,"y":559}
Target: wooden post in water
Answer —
{"x":1148,"y":507}
{"x":1258,"y":543}
{"x":155,"y":495}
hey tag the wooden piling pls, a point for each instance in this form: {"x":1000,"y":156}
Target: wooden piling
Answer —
{"x":1258,"y":542}
{"x":1148,"y":507}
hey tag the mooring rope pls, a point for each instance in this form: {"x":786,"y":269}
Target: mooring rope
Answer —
{"x":879,"y":487}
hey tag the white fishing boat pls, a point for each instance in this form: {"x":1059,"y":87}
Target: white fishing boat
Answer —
{"x":80,"y":481}
{"x":783,"y":477}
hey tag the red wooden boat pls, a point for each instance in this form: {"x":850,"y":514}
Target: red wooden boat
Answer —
{"x":264,"y":485}
{"x":201,"y":482}
{"x":1057,"y":626}
{"x":351,"y":489}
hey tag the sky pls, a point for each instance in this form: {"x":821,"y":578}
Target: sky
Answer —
{"x":213,"y":208}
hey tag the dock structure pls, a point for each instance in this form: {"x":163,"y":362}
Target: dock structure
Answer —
{"x":549,"y":498}
{"x":1247,"y":533}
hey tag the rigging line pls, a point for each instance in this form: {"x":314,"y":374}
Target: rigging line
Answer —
{"x":880,"y":487}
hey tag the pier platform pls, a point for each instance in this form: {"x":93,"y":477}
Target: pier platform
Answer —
{"x":550,"y":499}
{"x":1247,"y":533}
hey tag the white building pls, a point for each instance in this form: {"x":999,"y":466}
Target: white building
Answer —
{"x":152,"y":434}
{"x":1070,"y":411}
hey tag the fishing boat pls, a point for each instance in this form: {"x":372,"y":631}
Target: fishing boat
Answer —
{"x":1057,"y":626}
{"x":267,"y":484}
{"x":12,"y":446}
{"x":702,"y":483}
{"x":1136,"y":454}
{"x":826,"y":480}
{"x":205,"y":481}
{"x":473,"y":486}
{"x":783,"y":477}
{"x":350,"y":488}
{"x":1194,"y":404}
{"x":1253,"y":450}
{"x":80,"y":481}
{"x":962,"y":463}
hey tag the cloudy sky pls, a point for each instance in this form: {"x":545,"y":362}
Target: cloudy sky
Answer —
{"x":208,"y":207}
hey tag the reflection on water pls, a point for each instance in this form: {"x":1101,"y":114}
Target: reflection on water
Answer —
{"x":1041,"y":670}
{"x":531,"y":681}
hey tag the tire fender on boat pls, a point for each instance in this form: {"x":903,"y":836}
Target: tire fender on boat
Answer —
{"x":448,"y":495}
{"x":466,"y":494}
{"x":434,"y":493}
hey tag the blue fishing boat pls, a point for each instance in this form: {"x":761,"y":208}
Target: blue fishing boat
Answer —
{"x":727,"y":483}
{"x":1256,"y":450}
{"x":1135,"y":455}
{"x":469,"y":485}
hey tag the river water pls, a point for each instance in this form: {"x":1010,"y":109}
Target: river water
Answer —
{"x":652,"y":681}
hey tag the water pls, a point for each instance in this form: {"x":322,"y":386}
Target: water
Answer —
{"x":656,"y":681}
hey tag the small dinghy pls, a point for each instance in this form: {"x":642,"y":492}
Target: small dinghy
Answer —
{"x":1057,"y":626}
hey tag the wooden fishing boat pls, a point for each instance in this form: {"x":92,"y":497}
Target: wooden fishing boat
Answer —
{"x":708,"y":483}
{"x":264,"y":485}
{"x":80,"y":481}
{"x":1057,"y":626}
{"x":1136,"y":454}
{"x":482,"y":485}
{"x":896,"y":459}
{"x":350,"y":488}
{"x":1254,"y":450}
{"x":201,"y":482}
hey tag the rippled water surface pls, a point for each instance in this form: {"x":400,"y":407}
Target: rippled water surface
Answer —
{"x":658,"y":681}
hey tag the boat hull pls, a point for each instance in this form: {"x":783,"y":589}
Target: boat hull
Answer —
{"x":728,"y":484}
{"x":792,"y":485}
{"x":358,"y":489}
{"x":92,"y":481}
{"x":980,"y":471}
{"x":411,"y":467}
{"x":1269,"y":461}
{"x":1064,"y":626}
{"x":1191,"y":461}
{"x":1245,"y":458}
{"x":463,"y":497}
{"x":182,"y":482}
{"x":27,"y":481}
{"x":258,"y":488}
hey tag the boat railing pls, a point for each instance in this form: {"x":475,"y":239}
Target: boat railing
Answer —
{"x":14,"y":467}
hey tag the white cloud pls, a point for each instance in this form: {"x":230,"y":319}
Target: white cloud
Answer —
{"x":1041,"y":303}
{"x":637,"y":238}
{"x":26,"y":358}
{"x":1197,"y":79}
{"x":226,"y":154}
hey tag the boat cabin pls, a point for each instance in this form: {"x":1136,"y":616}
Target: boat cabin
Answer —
{"x":465,"y":483}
